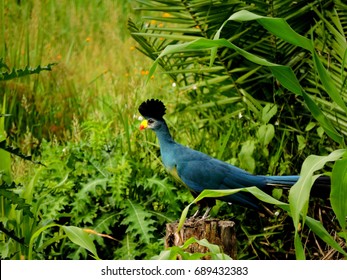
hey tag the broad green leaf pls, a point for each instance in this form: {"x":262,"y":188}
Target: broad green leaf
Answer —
{"x":323,"y":121}
{"x":219,"y":193}
{"x":299,"y":194}
{"x":214,"y":250}
{"x":183,"y":217}
{"x":266,"y":132}
{"x":213,"y":55}
{"x":173,"y":252}
{"x":168,"y":36}
{"x":266,"y":198}
{"x":310,"y":126}
{"x":245,"y":156}
{"x":277,"y":26}
{"x":344,"y":64}
{"x":268,"y":112}
{"x":8,"y":191}
{"x":287,"y":78}
{"x":81,"y":238}
{"x":338,"y":196}
{"x":211,"y":247}
{"x":164,"y":255}
{"x":284,"y":74}
{"x":327,"y":82}
{"x":203,"y":194}
{"x":314,"y":225}
{"x":5,"y":166}
{"x":299,"y":250}
{"x":319,"y":230}
{"x":301,"y":142}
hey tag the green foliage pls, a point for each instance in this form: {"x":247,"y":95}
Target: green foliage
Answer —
{"x":102,"y":191}
{"x":175,"y":252}
{"x":191,"y":58}
{"x":91,"y":184}
{"x":16,"y":206}
{"x":206,"y":73}
{"x":81,"y":238}
{"x":7,"y":193}
{"x":284,"y":74}
{"x":339,"y":193}
{"x":16,"y":152}
{"x":139,"y":222}
{"x":18,"y":73}
{"x":300,"y":192}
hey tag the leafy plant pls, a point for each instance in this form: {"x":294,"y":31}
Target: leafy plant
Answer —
{"x":139,"y":222}
{"x":298,"y":201}
{"x":92,"y":186}
{"x":225,"y":75}
{"x":176,"y":252}
{"x":210,"y":47}
{"x":17,"y":73}
{"x":102,"y":192}
{"x":16,"y":208}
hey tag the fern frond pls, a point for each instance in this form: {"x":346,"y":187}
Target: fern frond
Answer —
{"x":138,"y":221}
{"x":6,"y":191}
{"x":17,"y":73}
{"x":17,"y":152}
{"x":128,"y":249}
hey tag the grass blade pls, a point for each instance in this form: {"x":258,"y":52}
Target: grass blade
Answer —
{"x":81,"y":238}
{"x":300,"y":192}
{"x":320,"y":231}
{"x":338,"y":194}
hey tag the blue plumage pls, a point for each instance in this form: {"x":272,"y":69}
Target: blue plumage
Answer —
{"x":199,"y":171}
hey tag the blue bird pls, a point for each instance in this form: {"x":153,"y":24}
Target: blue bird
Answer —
{"x":198,"y":171}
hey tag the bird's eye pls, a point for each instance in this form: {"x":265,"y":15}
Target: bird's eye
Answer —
{"x":150,"y":121}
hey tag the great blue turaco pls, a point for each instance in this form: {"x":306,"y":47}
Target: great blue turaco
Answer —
{"x":199,"y":171}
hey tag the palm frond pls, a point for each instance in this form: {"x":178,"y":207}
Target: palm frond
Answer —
{"x":176,"y":21}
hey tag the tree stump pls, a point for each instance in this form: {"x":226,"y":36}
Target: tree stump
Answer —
{"x":221,"y":233}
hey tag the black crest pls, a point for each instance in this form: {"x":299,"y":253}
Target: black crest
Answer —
{"x":152,"y":108}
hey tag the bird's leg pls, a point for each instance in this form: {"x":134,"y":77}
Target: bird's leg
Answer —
{"x":208,"y":209}
{"x":195,"y":214}
{"x":208,"y":203}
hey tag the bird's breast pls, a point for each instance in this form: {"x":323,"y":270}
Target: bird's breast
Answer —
{"x":173,"y":172}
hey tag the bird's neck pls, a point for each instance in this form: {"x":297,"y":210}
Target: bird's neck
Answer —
{"x":164,"y":135}
{"x":167,"y":145}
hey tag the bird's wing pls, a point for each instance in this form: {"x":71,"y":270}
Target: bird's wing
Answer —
{"x":199,"y":172}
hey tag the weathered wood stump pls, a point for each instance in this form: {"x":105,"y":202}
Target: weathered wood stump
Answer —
{"x":221,"y":233}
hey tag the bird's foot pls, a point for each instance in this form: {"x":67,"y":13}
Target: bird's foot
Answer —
{"x":195,"y":214}
{"x":206,"y":214}
{"x":195,"y":217}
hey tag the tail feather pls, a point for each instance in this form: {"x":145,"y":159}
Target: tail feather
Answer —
{"x":321,"y":187}
{"x":281,"y":180}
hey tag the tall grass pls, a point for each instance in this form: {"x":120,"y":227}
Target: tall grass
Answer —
{"x":101,"y":173}
{"x":89,"y":101}
{"x":97,"y":68}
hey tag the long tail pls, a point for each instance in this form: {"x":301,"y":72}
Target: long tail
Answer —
{"x":281,"y":181}
{"x":321,"y":187}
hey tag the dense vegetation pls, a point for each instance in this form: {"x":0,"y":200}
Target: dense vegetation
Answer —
{"x":78,"y":180}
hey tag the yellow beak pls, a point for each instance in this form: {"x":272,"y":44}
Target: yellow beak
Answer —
{"x":143,"y":125}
